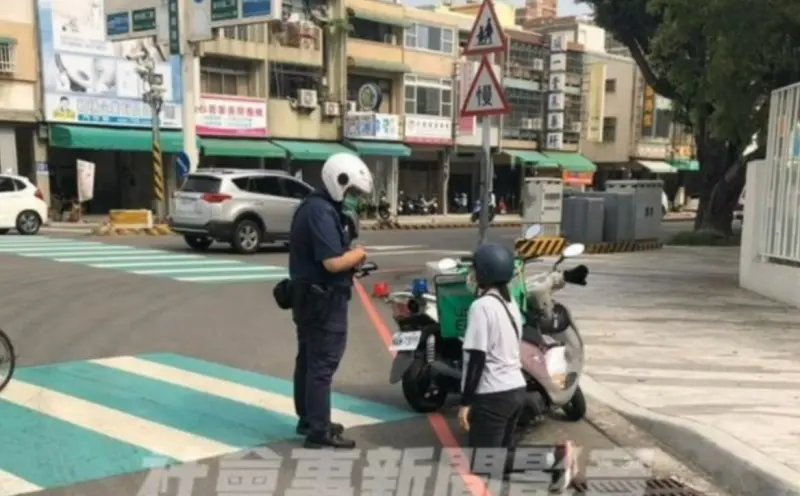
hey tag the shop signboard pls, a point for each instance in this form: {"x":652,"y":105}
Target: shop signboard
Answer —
{"x":557,"y":66}
{"x":232,"y":116}
{"x":372,"y":126}
{"x":87,"y":80}
{"x":428,"y":130}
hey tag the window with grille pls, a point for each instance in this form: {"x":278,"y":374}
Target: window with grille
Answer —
{"x":226,"y":77}
{"x":8,"y":56}
{"x":525,"y":104}
{"x":286,"y":80}
{"x":428,"y":96}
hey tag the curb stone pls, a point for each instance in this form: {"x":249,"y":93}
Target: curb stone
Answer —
{"x":733,"y":464}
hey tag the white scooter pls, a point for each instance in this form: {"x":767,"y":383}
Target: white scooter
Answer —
{"x":428,"y":360}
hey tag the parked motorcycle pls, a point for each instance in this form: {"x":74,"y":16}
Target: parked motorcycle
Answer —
{"x":429,"y":207}
{"x":431,"y":326}
{"x":383,"y":207}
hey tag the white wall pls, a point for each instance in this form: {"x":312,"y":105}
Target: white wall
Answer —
{"x":777,"y":282}
{"x":20,"y":11}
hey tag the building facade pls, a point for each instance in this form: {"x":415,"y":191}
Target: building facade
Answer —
{"x":535,"y":9}
{"x":20,"y":147}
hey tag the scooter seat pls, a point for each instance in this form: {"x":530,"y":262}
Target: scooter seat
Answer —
{"x":532,"y":336}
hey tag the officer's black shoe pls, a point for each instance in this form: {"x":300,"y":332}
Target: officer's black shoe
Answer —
{"x":304,"y":429}
{"x":329,"y":440}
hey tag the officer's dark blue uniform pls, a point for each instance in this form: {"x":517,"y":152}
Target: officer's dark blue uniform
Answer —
{"x":319,"y":310}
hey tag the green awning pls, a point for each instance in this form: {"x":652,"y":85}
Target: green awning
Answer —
{"x":311,"y":150}
{"x":378,"y":65}
{"x":381,"y":149}
{"x":383,"y":19}
{"x":572,"y":162}
{"x":241,"y":148}
{"x":8,"y":41}
{"x":113,"y":139}
{"x":531,"y":158}
{"x":685,"y":165}
{"x":657,"y":166}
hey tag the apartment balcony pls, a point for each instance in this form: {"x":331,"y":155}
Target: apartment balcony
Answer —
{"x":376,"y":10}
{"x":373,"y":56}
{"x":298,"y":43}
{"x":241,"y":42}
{"x":290,"y":123}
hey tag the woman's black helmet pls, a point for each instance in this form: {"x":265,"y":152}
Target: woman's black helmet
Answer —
{"x":494,"y":264}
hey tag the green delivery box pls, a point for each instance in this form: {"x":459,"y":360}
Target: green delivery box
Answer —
{"x":454,"y":297}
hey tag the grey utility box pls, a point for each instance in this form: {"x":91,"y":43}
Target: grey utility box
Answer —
{"x":542,"y":203}
{"x":583,"y":219}
{"x":646,"y":203}
{"x":617,"y":215}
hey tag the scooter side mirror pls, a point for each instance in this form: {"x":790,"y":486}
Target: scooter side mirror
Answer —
{"x":532,"y":231}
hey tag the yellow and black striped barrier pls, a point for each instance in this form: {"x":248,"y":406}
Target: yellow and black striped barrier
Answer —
{"x":408,"y":226}
{"x":625,"y":246}
{"x":539,"y":247}
{"x":158,"y":173}
{"x":111,"y":230}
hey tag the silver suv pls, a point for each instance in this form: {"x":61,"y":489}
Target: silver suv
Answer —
{"x":243,"y":207}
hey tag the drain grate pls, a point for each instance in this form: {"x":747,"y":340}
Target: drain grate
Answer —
{"x":639,"y":487}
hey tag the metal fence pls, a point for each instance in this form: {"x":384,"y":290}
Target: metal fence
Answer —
{"x":778,"y":196}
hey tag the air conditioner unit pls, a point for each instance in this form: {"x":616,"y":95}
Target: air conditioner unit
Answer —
{"x":331,"y":109}
{"x":352,"y":107}
{"x":307,"y":99}
{"x":516,"y":71}
{"x":537,"y":122}
{"x":526,"y":123}
{"x":575,"y":127}
{"x":538,"y":64}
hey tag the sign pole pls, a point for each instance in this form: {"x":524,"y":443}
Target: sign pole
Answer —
{"x":486,"y":179}
{"x":485,"y":98}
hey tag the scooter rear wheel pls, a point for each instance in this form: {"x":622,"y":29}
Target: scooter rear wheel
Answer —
{"x":417,"y":389}
{"x":575,"y":410}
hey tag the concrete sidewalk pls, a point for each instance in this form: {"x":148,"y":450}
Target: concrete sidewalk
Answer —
{"x":710,"y":369}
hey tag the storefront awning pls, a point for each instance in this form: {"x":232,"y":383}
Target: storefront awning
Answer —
{"x":531,"y":158}
{"x":378,"y":65}
{"x":112,"y":139}
{"x":311,"y":150}
{"x":657,"y":167}
{"x":572,"y":162}
{"x":381,"y":149}
{"x":241,"y":148}
{"x":685,"y":165}
{"x":383,"y":19}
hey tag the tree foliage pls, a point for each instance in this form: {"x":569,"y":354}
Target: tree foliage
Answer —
{"x":718,"y":61}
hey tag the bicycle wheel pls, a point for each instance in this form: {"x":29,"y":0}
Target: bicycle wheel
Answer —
{"x":7,"y":360}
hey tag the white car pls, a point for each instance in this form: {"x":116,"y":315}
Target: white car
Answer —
{"x":22,"y":205}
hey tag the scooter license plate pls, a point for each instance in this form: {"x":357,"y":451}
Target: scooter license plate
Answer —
{"x":406,"y":341}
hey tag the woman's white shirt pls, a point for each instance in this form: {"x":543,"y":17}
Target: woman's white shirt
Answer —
{"x":490,"y":330}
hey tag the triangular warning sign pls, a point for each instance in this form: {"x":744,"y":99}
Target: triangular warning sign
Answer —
{"x":487,"y":34}
{"x":485,"y":95}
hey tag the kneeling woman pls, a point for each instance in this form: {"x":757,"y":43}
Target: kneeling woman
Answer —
{"x":493,"y":386}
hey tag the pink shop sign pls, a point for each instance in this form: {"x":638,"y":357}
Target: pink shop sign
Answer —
{"x":232,"y":116}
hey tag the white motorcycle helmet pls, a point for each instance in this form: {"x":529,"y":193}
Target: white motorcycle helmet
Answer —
{"x":344,"y":172}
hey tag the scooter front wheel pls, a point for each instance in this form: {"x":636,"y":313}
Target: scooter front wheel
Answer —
{"x":7,"y":360}
{"x":419,"y":389}
{"x":575,"y":410}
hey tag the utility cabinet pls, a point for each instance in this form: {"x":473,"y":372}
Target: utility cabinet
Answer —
{"x":618,"y":213}
{"x":583,"y":219}
{"x":646,"y":195}
{"x":542,"y":203}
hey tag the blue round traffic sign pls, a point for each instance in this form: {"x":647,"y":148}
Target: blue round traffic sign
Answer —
{"x":183,"y":164}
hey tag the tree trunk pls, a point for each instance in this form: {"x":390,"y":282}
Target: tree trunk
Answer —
{"x":723,"y":175}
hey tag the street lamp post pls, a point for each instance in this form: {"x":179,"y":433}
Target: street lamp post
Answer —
{"x":154,"y":96}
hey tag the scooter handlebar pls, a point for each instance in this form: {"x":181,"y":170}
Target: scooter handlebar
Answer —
{"x":366,"y":269}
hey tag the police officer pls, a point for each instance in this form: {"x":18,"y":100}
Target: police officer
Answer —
{"x":321,"y":268}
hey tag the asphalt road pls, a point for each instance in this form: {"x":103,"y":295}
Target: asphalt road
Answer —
{"x":136,"y":348}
